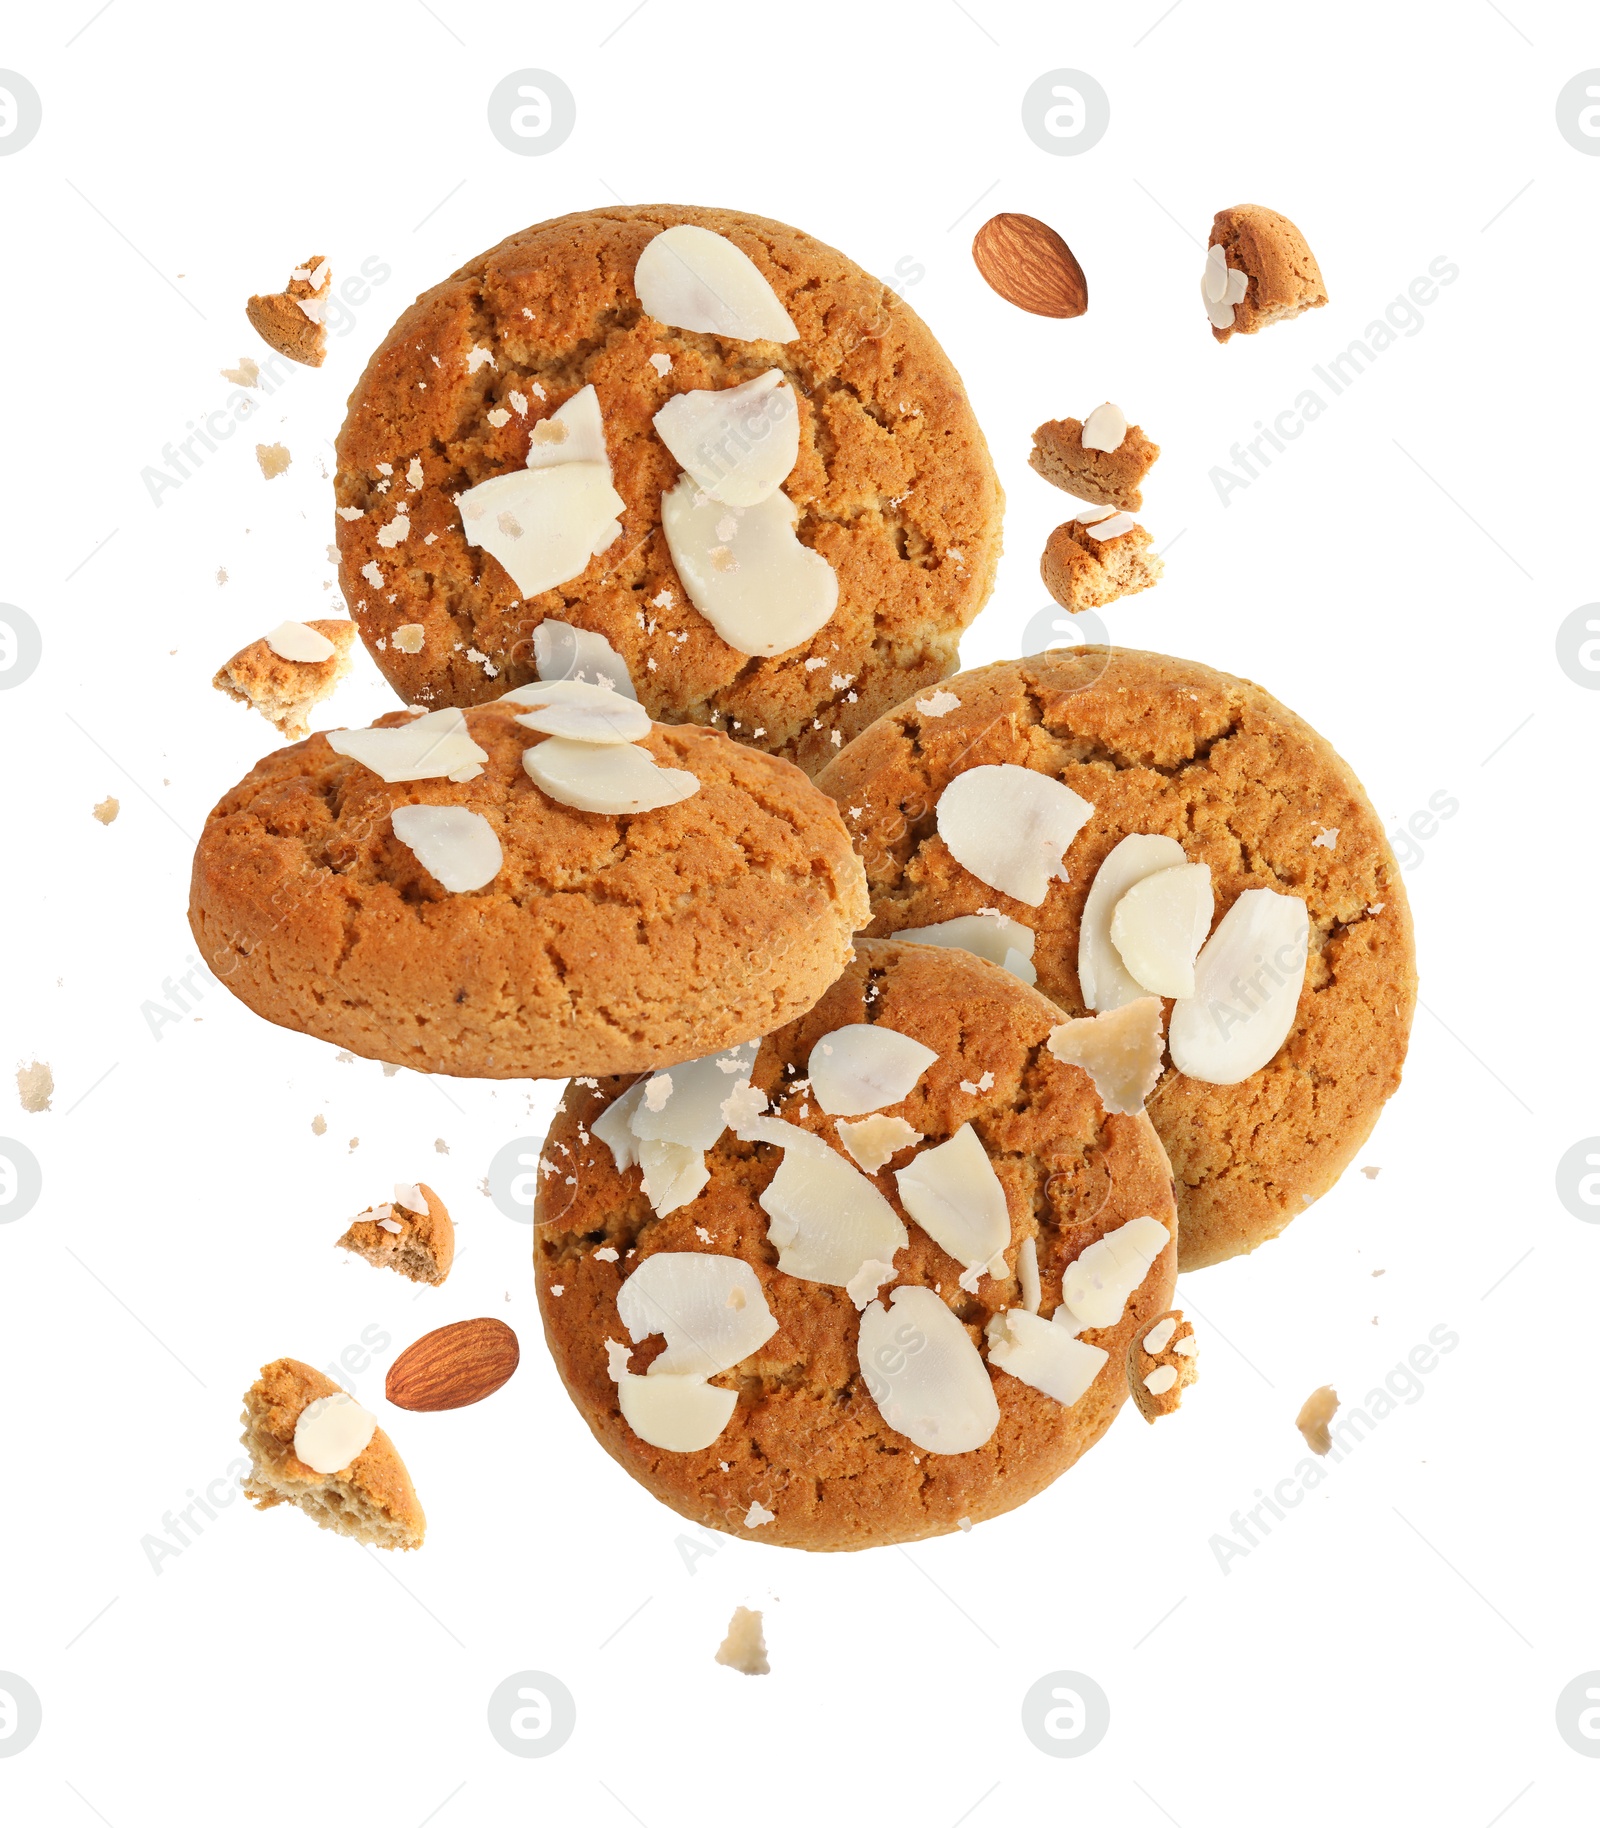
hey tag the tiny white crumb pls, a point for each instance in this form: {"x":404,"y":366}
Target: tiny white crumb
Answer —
{"x":1327,"y":837}
{"x":661,"y":361}
{"x":606,"y":1253}
{"x":940,"y":704}
{"x":757,"y":1515}
{"x":745,"y":1647}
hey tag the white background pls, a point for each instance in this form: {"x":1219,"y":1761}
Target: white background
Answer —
{"x":1398,"y":576}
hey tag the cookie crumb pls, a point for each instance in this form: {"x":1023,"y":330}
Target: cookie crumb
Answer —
{"x":108,"y":809}
{"x":1372,"y":1173}
{"x":273,"y":458}
{"x":441,"y":1145}
{"x":247,"y":374}
{"x":757,"y":1515}
{"x":1317,"y":1411}
{"x":319,"y":1125}
{"x":745,"y":1647}
{"x":36,"y":1085}
{"x":355,"y":1142}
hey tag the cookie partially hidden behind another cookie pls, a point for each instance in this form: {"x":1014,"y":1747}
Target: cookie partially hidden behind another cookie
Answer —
{"x":416,"y":1241}
{"x":1281,"y":277}
{"x":284,"y":688}
{"x":371,"y":1498}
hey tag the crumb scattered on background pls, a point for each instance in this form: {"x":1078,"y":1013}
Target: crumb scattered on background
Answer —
{"x":245,"y":375}
{"x":390,"y":1071}
{"x":483,"y":1186}
{"x":273,"y":458}
{"x":108,"y":809}
{"x":222,"y":574}
{"x":319,"y":1125}
{"x":344,"y":1058}
{"x":35,"y":1085}
{"x":1380,"y":1272}
{"x":745,"y":1647}
{"x":355,"y":1142}
{"x":441,"y":1145}
{"x":1372,"y":1173}
{"x":1316,"y":1412}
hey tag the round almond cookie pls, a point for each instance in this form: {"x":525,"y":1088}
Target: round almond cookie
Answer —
{"x":1290,"y":1026}
{"x":898,"y":506}
{"x":419,"y":899}
{"x":836,"y":1322}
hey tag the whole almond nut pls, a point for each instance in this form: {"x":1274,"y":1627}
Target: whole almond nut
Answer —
{"x":453,"y":1366}
{"x":1030,"y":266}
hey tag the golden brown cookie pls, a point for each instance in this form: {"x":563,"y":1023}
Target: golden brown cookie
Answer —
{"x":1166,"y":746}
{"x":284,"y":691}
{"x":292,"y":320}
{"x":1082,"y":572}
{"x":1284,"y":278}
{"x":421,"y":1246}
{"x":605,"y":943}
{"x":1109,"y":477}
{"x":371,"y":1499}
{"x":893,"y":483}
{"x":807,"y":1459}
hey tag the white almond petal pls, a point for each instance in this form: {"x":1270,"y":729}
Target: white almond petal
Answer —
{"x":1220,"y":312}
{"x":865,"y":1067}
{"x":1096,"y":511}
{"x":561,"y":651}
{"x":574,"y":433}
{"x":1028,"y":1274}
{"x":614,"y":1127}
{"x":738,"y":443}
{"x":924,"y":1373}
{"x":695,"y":279}
{"x":825,"y":1218}
{"x":996,"y":937}
{"x":587,"y":713}
{"x":542,"y":525}
{"x":759,"y":587}
{"x":1120,"y":1051}
{"x":409,"y":1195}
{"x":691,"y":1112}
{"x":955,"y":1195}
{"x":680,"y":1415}
{"x":1238,"y":285}
{"x":863,"y":1286}
{"x":1103,"y":980}
{"x":1160,"y":1335}
{"x":1214,"y":279}
{"x":612,"y":778}
{"x":432,"y":747}
{"x":673,"y":1175}
{"x":1112,"y":526}
{"x":1045,"y":1357}
{"x":710,"y":1310}
{"x":1247,"y":987}
{"x":1105,"y":428}
{"x":1161,"y":923}
{"x":1097,"y":1284}
{"x":874,"y":1140}
{"x":456,"y":847}
{"x":1011,"y":827}
{"x":332,"y":1431}
{"x":299,"y":641}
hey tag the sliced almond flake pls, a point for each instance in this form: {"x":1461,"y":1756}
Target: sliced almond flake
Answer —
{"x":1327,"y":838}
{"x":396,"y":530}
{"x":435,"y":746}
{"x":1160,"y":924}
{"x":299,"y":641}
{"x":924,"y":1373}
{"x":863,"y":1286}
{"x":587,"y":713}
{"x":826,"y":1219}
{"x":617,"y":778}
{"x":673,"y":1175}
{"x":864,"y":1067}
{"x":479,"y":357}
{"x":1096,"y":1285}
{"x":541,"y":525}
{"x":1113,"y":527}
{"x":1011,"y":827}
{"x":710,"y":1310}
{"x":1161,"y":1380}
{"x":694,"y":279}
{"x":1160,"y":1335}
{"x":738,"y":443}
{"x":757,"y":1515}
{"x":938,"y":704}
{"x":1045,"y":1357}
{"x":332,"y":1431}
{"x":1248,"y":979}
{"x":1119,"y":1050}
{"x":686,"y":1105}
{"x":875,"y":1140}
{"x":1187,"y":1347}
{"x":1105,"y":428}
{"x":1028,"y":1275}
{"x":390,"y":1225}
{"x":1104,"y":982}
{"x":954,"y":1194}
{"x":1096,"y":511}
{"x":989,"y":933}
{"x":680,"y":1415}
{"x":458,"y":848}
{"x":614,"y":1127}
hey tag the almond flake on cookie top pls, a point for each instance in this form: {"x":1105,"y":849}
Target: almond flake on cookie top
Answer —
{"x":434,"y":745}
{"x":584,"y":712}
{"x":458,"y":848}
{"x":825,"y":1218}
{"x":1159,"y":925}
{"x":925,"y":1374}
{"x":738,"y":443}
{"x":865,"y":1067}
{"x":1046,"y":1357}
{"x":1222,"y":287}
{"x":1120,"y":1050}
{"x":612,"y":778}
{"x":676,"y":1413}
{"x":954,"y":1194}
{"x":709,"y":1309}
{"x":332,"y":1431}
{"x":1248,"y":979}
{"x":692,"y":278}
{"x":1011,"y":827}
{"x":1105,"y":428}
{"x":298,"y":641}
{"x":989,"y":933}
{"x":874,"y":1141}
{"x":1103,"y":978}
{"x":1096,"y":1285}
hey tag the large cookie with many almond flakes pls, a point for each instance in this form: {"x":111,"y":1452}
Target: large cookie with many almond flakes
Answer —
{"x":893,"y":483}
{"x":1163,"y":746}
{"x":807,"y":1459}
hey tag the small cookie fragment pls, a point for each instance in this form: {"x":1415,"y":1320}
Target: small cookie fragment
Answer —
{"x":1316,"y":1412}
{"x":1111,"y":478}
{"x":417,"y":1244}
{"x":284,"y":691}
{"x":745,"y":1646}
{"x":1283,"y":275}
{"x":293,"y":320}
{"x":1161,"y":1365}
{"x":274,"y":459}
{"x":36,"y":1086}
{"x":371,"y":1499}
{"x":1082,"y":572}
{"x":108,"y":809}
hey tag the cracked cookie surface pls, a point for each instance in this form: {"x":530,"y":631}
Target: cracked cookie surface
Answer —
{"x":806,"y":1441}
{"x":1168,"y":746}
{"x":606,"y":943}
{"x":893,"y":483}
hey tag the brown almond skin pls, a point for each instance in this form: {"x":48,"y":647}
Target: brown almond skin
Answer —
{"x":1030,"y":266}
{"x":453,"y":1366}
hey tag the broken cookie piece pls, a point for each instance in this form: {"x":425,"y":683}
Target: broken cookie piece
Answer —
{"x":293,"y":321}
{"x":1161,"y":1365}
{"x":292,"y":1412}
{"x":745,"y":1646}
{"x":1079,"y":456}
{"x":1281,"y":277}
{"x":412,"y":1235}
{"x":1316,"y":1412}
{"x":288,"y":671}
{"x":1093,"y":560}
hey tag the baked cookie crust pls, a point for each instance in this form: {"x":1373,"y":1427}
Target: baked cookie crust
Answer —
{"x":894,"y":482}
{"x":1168,"y":746}
{"x":807,"y":1442}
